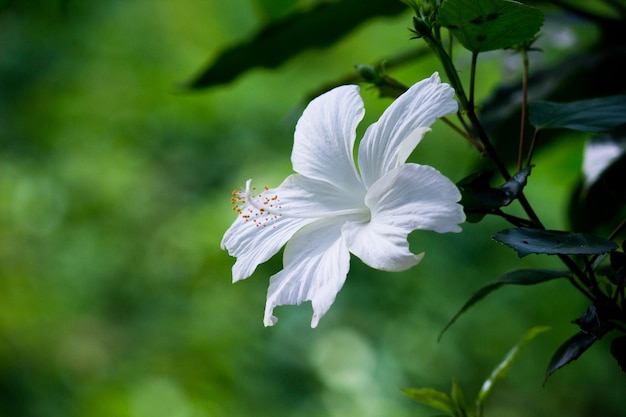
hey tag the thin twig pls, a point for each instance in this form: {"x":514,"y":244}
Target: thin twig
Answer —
{"x":468,"y":105}
{"x":463,"y":133}
{"x":514,"y":220}
{"x":531,"y":150}
{"x":596,"y":259}
{"x":617,"y":230}
{"x":590,"y":274}
{"x":522,"y":131}
{"x":472,"y":78}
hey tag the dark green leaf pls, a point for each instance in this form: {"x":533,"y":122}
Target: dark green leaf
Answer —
{"x":515,"y":185}
{"x":570,"y":351}
{"x":618,"y":350}
{"x":593,"y":115}
{"x":501,"y":370}
{"x":274,"y":44}
{"x":486,"y":25}
{"x":432,"y":398}
{"x":517,"y":277}
{"x":473,"y":189}
{"x":479,"y":196}
{"x":552,"y":242}
{"x":597,"y":320}
{"x":589,"y":321}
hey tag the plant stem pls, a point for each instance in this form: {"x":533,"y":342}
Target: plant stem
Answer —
{"x":463,"y":133}
{"x":449,"y":68}
{"x":593,"y":282}
{"x":514,"y":220}
{"x":489,"y":149}
{"x":468,"y":106}
{"x":617,"y":230}
{"x":596,"y":259}
{"x":572,"y":266}
{"x":524,"y":104}
{"x":473,"y":78}
{"x":471,"y":114}
{"x":531,"y":150}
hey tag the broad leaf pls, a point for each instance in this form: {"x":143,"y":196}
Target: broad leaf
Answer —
{"x":479,"y":196}
{"x":570,"y":351}
{"x":274,"y":44}
{"x":594,"y":115}
{"x":517,"y":277}
{"x":501,"y":370}
{"x":486,"y":25}
{"x":553,"y":242}
{"x":432,"y":398}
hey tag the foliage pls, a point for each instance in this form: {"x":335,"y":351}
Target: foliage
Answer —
{"x":274,"y":44}
{"x":482,"y":26}
{"x":488,"y":25}
{"x":114,"y":182}
{"x":454,"y":405}
{"x":592,"y":115}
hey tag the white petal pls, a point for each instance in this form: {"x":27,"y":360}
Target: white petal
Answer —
{"x":316,"y":262}
{"x":300,"y":196}
{"x":253,"y":245}
{"x":271,"y":216}
{"x":324,"y":137}
{"x":407,"y":198}
{"x":380,"y":246}
{"x":388,"y":142}
{"x":408,"y":145}
{"x":416,"y":197}
{"x":600,"y":152}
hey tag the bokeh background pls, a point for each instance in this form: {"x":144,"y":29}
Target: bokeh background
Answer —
{"x":115,"y":181}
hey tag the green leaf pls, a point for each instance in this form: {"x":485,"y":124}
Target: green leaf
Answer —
{"x":517,"y":277}
{"x":432,"y":398}
{"x":570,"y":351}
{"x":486,"y":25}
{"x":593,"y":115}
{"x":277,"y":42}
{"x":458,"y":399}
{"x":479,"y":196}
{"x":553,"y":242}
{"x":501,"y":370}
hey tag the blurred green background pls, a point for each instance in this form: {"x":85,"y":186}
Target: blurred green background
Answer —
{"x":115,"y":298}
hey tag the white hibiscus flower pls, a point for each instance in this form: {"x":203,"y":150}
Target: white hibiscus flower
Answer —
{"x":333,"y":207}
